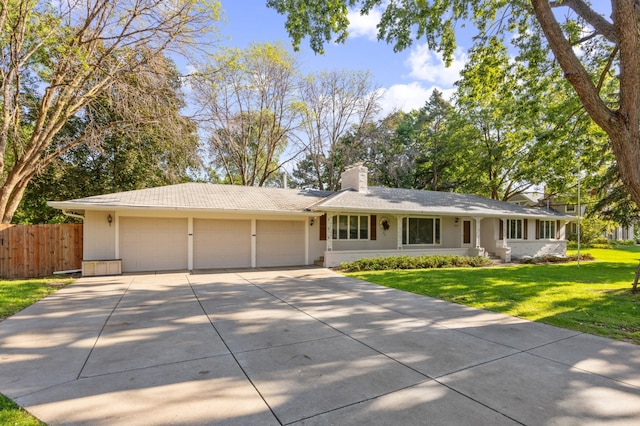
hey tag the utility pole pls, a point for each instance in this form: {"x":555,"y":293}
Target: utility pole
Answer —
{"x":579,"y":209}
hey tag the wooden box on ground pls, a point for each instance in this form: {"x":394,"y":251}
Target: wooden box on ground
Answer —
{"x":93,"y":268}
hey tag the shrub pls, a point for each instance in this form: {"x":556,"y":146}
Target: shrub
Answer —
{"x":623,"y":242}
{"x":418,"y":262}
{"x":557,"y":259}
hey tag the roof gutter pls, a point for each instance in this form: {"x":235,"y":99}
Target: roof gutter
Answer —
{"x":72,"y":214}
{"x":101,"y":207}
{"x":499,"y":214}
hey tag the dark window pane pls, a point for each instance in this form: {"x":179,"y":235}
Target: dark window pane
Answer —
{"x":334,"y":227}
{"x":353,"y":227}
{"x":364,"y":227}
{"x":427,"y":225}
{"x":342,"y":227}
{"x":414,"y":231}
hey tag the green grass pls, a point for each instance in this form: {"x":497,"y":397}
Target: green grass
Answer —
{"x":16,"y":295}
{"x":594,"y":298}
{"x":12,"y":414}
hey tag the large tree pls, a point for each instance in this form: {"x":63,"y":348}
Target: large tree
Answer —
{"x":336,"y":102}
{"x":155,"y":154}
{"x":60,"y":60}
{"x":250,"y":111}
{"x":576,"y":32}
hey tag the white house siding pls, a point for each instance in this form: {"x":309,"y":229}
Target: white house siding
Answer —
{"x":280,"y":242}
{"x":220,"y":243}
{"x":489,"y":234}
{"x":316,"y":245}
{"x":451,"y":232}
{"x":534,"y":248}
{"x":99,"y":235}
{"x":153,"y":244}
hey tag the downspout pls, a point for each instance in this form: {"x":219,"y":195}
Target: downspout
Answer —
{"x":72,"y":214}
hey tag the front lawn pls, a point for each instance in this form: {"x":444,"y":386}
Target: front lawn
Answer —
{"x":594,"y":298}
{"x":15,"y":295}
{"x":12,"y":414}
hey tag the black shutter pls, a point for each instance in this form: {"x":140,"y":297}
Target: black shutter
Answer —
{"x":323,"y":227}
{"x":372,"y":227}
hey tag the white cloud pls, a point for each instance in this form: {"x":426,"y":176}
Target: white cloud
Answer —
{"x":364,"y":25}
{"x":188,"y":69}
{"x":407,"y":97}
{"x":426,"y":65}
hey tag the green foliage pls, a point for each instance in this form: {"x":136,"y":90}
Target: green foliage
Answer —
{"x":68,"y":66}
{"x":527,"y":119}
{"x":248,"y":100}
{"x":12,"y":414}
{"x":155,"y":154}
{"x":557,"y":259}
{"x":592,"y":230}
{"x":594,"y":298}
{"x":411,"y":262}
{"x":614,"y":202}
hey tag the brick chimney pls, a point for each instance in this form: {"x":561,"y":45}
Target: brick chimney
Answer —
{"x":355,"y":176}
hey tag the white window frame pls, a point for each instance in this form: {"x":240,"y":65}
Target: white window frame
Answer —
{"x":437,"y":230}
{"x":359,"y":219}
{"x":514,"y":229}
{"x":570,"y":208}
{"x":547,"y":230}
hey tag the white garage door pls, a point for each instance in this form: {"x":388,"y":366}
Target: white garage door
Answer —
{"x":280,"y":242}
{"x":153,"y":244}
{"x":221,"y":243}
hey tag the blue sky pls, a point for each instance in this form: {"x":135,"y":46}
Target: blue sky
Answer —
{"x":407,"y":78}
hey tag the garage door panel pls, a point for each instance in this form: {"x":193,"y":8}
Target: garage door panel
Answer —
{"x":221,"y":243}
{"x":280,"y":242}
{"x":153,"y":244}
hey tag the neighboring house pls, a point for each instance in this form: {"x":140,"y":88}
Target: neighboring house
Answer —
{"x":195,"y":226}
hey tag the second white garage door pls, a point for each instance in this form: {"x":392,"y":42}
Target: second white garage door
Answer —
{"x":221,"y":243}
{"x":153,"y":244}
{"x":280,"y":242}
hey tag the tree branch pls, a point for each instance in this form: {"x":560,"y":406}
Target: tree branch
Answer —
{"x":573,"y":69}
{"x":597,"y":21}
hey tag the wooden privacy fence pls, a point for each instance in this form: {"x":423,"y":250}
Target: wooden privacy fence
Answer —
{"x":29,"y":251}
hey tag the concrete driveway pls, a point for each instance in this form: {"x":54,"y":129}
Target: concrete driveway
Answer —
{"x":303,"y":347}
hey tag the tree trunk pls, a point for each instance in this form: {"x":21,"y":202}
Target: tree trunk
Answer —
{"x":622,"y":126}
{"x":634,"y":289}
{"x":14,"y":201}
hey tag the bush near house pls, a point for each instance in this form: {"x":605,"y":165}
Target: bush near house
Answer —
{"x":557,"y":259}
{"x":418,"y":262}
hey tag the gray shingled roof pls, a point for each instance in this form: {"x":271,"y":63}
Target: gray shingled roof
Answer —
{"x":202,"y":196}
{"x":211,"y":197}
{"x":408,"y":201}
